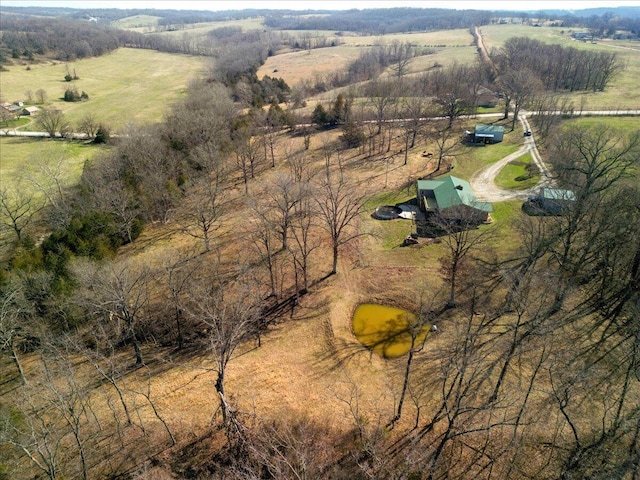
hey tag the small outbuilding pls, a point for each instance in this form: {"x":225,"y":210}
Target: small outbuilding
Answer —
{"x":451,"y":198}
{"x":487,"y":133}
{"x":30,"y":111}
{"x":552,"y":201}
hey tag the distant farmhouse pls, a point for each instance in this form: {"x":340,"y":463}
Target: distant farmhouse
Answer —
{"x":486,"y":134}
{"x":487,"y":98}
{"x":27,"y":111}
{"x":452,"y":199}
{"x":551,"y":201}
{"x":14,"y":110}
{"x":584,"y":36}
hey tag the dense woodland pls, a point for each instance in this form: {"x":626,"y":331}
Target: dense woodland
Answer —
{"x":535,"y":376}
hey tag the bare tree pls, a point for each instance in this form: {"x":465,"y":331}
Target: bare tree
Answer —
{"x":417,"y":324}
{"x":180,"y":270}
{"x":461,"y":239}
{"x":305,"y":242}
{"x":339,"y":206}
{"x":593,"y":163}
{"x":199,"y":214}
{"x":448,"y":142}
{"x":41,"y":95}
{"x":49,"y":181}
{"x":89,"y":125}
{"x":282,"y":195}
{"x":11,"y":324}
{"x":248,"y":152}
{"x":518,"y":87}
{"x":230,"y":313}
{"x":381,"y":94}
{"x":52,"y":121}
{"x":50,"y":412}
{"x":117,"y":293}
{"x":264,"y":240}
{"x":405,"y":52}
{"x":19,"y":208}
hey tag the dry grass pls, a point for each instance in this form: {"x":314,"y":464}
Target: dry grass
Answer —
{"x":293,"y":67}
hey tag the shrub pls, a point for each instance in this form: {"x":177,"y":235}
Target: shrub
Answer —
{"x":102,"y":135}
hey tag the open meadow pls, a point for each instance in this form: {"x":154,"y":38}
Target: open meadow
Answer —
{"x":126,"y":87}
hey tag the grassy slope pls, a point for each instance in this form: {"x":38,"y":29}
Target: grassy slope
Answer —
{"x":126,"y":86}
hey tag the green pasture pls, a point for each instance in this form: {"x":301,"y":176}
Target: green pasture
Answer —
{"x":128,"y":86}
{"x":14,"y":123}
{"x":23,"y":158}
{"x":505,"y":237}
{"x":622,"y":124}
{"x":388,"y":233}
{"x":515,"y":176}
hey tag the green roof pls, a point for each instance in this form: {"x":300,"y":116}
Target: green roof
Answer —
{"x":451,"y":191}
{"x":557,"y":194}
{"x":488,"y":129}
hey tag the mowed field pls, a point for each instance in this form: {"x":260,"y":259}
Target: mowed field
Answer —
{"x":22,"y":157}
{"x":128,"y":86}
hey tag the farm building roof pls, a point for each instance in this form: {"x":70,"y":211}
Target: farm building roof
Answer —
{"x":452,"y":191}
{"x":557,"y":194}
{"x":488,"y":131}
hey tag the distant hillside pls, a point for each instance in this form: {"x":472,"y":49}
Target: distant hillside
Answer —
{"x":381,"y":21}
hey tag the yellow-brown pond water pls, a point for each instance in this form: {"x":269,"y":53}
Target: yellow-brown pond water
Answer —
{"x":385,"y":329}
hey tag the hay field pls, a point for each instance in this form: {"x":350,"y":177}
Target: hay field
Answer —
{"x":127,"y":86}
{"x":295,"y":67}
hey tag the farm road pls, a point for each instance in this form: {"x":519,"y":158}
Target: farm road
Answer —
{"x":482,"y":182}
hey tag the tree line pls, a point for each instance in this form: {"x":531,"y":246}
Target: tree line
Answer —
{"x":62,"y":39}
{"x":559,"y":68}
{"x":381,"y":21}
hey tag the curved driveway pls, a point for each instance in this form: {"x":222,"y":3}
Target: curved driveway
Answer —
{"x":482,"y":182}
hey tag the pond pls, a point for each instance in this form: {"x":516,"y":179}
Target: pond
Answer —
{"x":385,"y":329}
